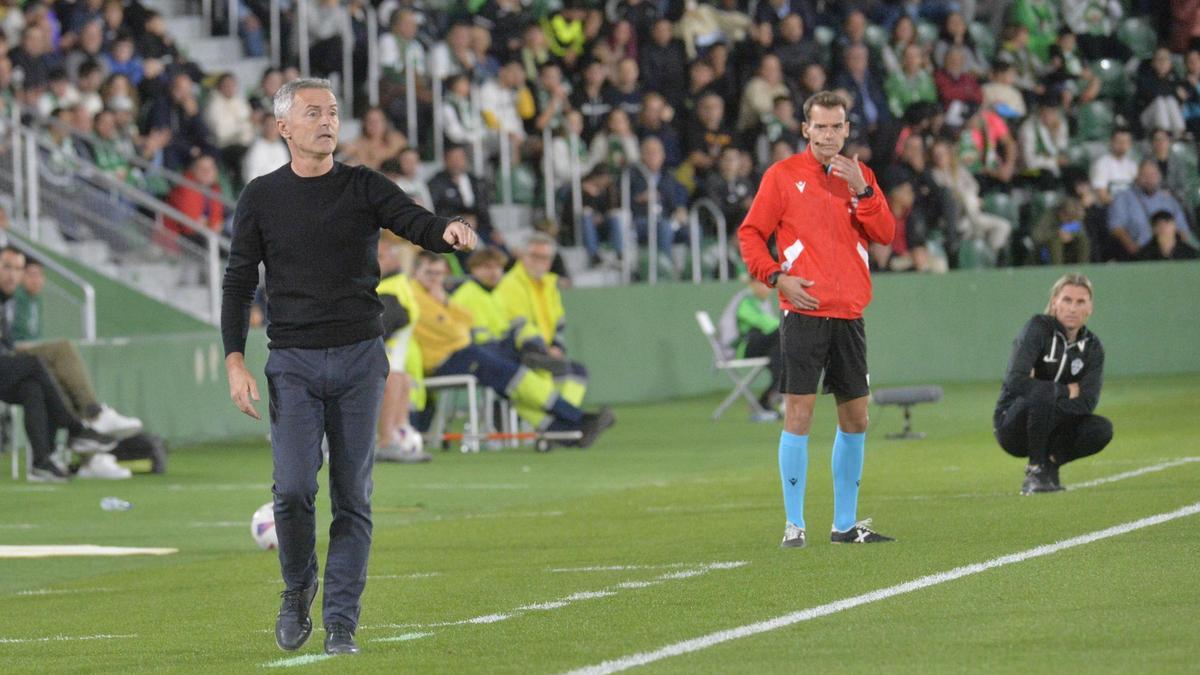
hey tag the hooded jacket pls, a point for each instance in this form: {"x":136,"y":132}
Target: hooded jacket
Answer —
{"x":1042,"y":348}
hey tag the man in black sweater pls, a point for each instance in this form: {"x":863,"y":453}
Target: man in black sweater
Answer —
{"x":315,"y":224}
{"x":1047,"y":405}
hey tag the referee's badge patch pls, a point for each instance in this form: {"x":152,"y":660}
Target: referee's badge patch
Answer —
{"x":1076,"y":366}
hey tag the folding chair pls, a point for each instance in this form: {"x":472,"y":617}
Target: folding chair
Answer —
{"x":741,"y":371}
{"x":445,"y":407}
{"x":15,"y":429}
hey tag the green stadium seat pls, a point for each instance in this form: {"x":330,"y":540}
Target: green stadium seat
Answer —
{"x":1186,"y":152}
{"x":1114,"y":82}
{"x":824,"y":36}
{"x":876,"y":36}
{"x":1137,"y":33}
{"x":985,"y":40}
{"x":1094,"y":121}
{"x":927,"y":33}
{"x":1002,"y":204}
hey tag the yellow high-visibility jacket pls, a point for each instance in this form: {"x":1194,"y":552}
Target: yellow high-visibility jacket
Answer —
{"x":535,"y":303}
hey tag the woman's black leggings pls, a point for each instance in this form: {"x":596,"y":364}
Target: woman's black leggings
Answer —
{"x":1040,"y":432}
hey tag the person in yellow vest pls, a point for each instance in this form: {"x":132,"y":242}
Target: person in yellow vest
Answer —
{"x":530,"y":297}
{"x":398,"y":441}
{"x":443,"y":332}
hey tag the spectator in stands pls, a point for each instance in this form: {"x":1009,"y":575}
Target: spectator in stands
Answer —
{"x":1095,"y":22}
{"x":781,"y":124}
{"x":663,"y":64}
{"x":1177,"y":175}
{"x":267,"y":152}
{"x":487,"y":67}
{"x":109,"y":153}
{"x":724,"y":82}
{"x":263,"y":98}
{"x":1062,"y":235}
{"x":25,"y":381}
{"x":654,"y":120}
{"x":1191,"y":106}
{"x":202,"y":204}
{"x":988,"y":149}
{"x":396,"y":438}
{"x":900,"y":255}
{"x":600,"y":218}
{"x":672,"y":198}
{"x":911,"y":84}
{"x":642,"y":14}
{"x":407,"y":175}
{"x":869,"y":98}
{"x":854,"y":32}
{"x":227,"y":114}
{"x":730,"y":187}
{"x":1129,"y":214}
{"x":954,"y":82}
{"x":397,"y":48}
{"x":1014,"y":50}
{"x":566,"y":35}
{"x":453,"y":56}
{"x":1166,"y":243}
{"x":122,"y":58}
{"x":443,"y":332}
{"x":325,"y":21}
{"x":568,"y":151}
{"x":180,"y":112}
{"x":955,"y":33}
{"x":1040,"y":18}
{"x":114,"y":18}
{"x":1044,"y":144}
{"x":80,"y":14}
{"x":974,"y":224}
{"x":627,"y":87}
{"x":459,"y":122}
{"x":594,"y":98}
{"x":534,"y":50}
{"x":622,"y":43}
{"x":33,"y":56}
{"x":1115,"y":171}
{"x":1046,"y":410}
{"x":551,"y":100}
{"x":617,"y":146}
{"x":795,"y":49}
{"x":377,"y":143}
{"x":812,"y":80}
{"x":155,"y":42}
{"x":760,"y":93}
{"x":903,"y":34}
{"x":507,"y":104}
{"x":24,"y":310}
{"x":60,"y":93}
{"x":456,"y":191}
{"x":89,"y":48}
{"x":935,"y":213}
{"x":703,"y":25}
{"x":1000,"y":92}
{"x":1066,"y":74}
{"x":91,"y":76}
{"x":1160,"y":94}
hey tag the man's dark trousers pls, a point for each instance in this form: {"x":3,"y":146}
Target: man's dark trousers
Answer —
{"x":335,"y":392}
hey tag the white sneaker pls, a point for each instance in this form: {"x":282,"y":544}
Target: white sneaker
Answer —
{"x":104,"y":466}
{"x":112,"y":423}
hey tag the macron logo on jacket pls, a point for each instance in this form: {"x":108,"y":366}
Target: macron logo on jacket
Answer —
{"x":800,"y":185}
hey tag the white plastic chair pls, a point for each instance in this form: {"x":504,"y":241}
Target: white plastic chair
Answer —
{"x":741,"y":371}
{"x":445,"y":406}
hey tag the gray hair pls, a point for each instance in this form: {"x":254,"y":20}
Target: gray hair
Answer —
{"x":287,"y":93}
{"x":540,"y":238}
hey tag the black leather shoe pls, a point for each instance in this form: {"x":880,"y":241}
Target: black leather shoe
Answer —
{"x":339,"y":639}
{"x":294,"y":625}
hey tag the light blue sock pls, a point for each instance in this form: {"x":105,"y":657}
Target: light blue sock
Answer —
{"x":848,"y":450}
{"x":793,"y":470}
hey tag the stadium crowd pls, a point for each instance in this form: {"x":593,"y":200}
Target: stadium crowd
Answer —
{"x":1004,"y":132}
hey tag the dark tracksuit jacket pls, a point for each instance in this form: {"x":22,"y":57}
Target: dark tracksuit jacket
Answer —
{"x":1042,"y":347}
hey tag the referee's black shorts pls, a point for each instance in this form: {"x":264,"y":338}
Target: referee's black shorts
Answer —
{"x":812,"y":345}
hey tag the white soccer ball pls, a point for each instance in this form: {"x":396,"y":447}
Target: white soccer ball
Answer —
{"x":262,"y":527}
{"x":410,"y":439}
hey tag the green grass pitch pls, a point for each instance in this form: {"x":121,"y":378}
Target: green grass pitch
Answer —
{"x":489,"y":563}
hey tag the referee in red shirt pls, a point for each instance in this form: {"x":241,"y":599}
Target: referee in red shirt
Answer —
{"x":823,"y":209}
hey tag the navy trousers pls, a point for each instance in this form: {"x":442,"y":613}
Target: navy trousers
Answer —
{"x":333,"y":392}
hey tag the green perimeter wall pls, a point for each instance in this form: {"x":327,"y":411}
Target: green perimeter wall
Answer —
{"x":642,"y":343}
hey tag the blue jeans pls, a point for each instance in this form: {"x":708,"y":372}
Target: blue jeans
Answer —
{"x":333,"y":392}
{"x":666,"y":235}
{"x":591,"y":236}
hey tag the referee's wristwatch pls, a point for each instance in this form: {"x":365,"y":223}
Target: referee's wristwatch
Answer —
{"x":867,"y":193}
{"x":773,"y":278}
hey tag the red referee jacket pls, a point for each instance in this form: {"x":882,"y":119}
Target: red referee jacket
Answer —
{"x":821,"y":232}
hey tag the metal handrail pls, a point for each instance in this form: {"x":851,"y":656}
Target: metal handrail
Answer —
{"x":631,"y":231}
{"x":439,"y":136}
{"x":573,"y":142}
{"x":547,"y":169}
{"x":347,"y":103}
{"x":302,"y":37}
{"x":477,"y":157}
{"x":706,"y":204}
{"x":276,"y":32}
{"x":89,"y":291}
{"x":373,"y":70}
{"x":410,"y":96}
{"x":506,"y":188}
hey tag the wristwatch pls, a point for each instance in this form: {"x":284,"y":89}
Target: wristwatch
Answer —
{"x":867,"y":193}
{"x":773,"y":277}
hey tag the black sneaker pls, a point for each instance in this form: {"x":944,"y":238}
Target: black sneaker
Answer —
{"x":1038,"y":478}
{"x":339,"y":639}
{"x":88,"y":441}
{"x":793,"y":537}
{"x":46,"y":472}
{"x":861,"y":533}
{"x":1052,"y":475}
{"x":294,"y":625}
{"x":594,"y":424}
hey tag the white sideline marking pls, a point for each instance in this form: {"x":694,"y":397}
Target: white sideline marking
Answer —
{"x":470,"y":486}
{"x":697,"y":570}
{"x":297,"y":661}
{"x":404,"y":637}
{"x":626,"y":568}
{"x":706,"y":641}
{"x":18,"y":526}
{"x":78,"y":550}
{"x":1136,"y":472}
{"x":216,"y":487}
{"x":63,"y":638}
{"x":679,"y":508}
{"x":414,"y":575}
{"x":218,"y":523}
{"x":61,"y":591}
